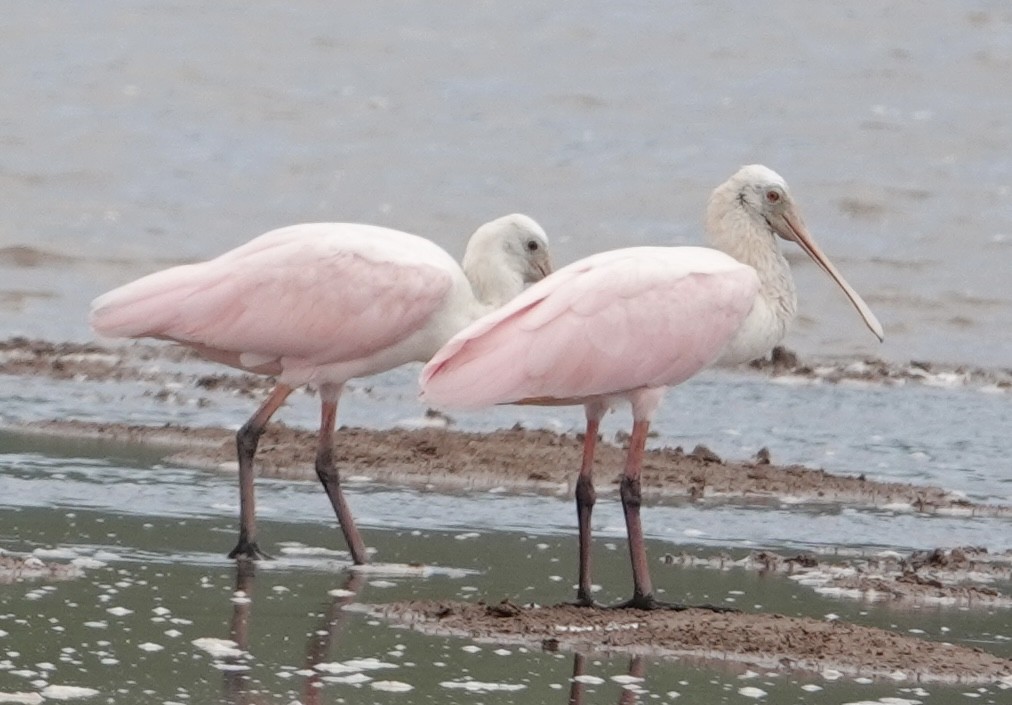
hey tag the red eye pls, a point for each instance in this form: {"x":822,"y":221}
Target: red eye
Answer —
{"x":772,"y":196}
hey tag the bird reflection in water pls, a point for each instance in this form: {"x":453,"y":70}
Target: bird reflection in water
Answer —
{"x":577,"y":688}
{"x":238,"y":688}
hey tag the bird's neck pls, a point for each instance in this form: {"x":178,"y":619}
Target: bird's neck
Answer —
{"x":749,"y":240}
{"x":492,"y":284}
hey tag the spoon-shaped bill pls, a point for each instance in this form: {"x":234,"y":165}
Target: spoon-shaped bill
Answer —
{"x":790,"y":227}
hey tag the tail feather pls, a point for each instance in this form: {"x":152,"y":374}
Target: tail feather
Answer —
{"x":143,"y":308}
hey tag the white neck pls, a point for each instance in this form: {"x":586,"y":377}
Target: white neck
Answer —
{"x":492,"y":283}
{"x":734,"y":229}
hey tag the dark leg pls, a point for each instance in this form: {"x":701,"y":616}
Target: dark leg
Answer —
{"x":329,"y":478}
{"x":586,"y":496}
{"x":643,"y":591}
{"x":246,"y":441}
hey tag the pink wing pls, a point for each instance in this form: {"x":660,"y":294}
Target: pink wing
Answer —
{"x":608,"y":324}
{"x":321,"y":293}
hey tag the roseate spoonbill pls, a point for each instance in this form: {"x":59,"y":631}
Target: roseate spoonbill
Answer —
{"x":624,"y":325}
{"x":320,"y":304}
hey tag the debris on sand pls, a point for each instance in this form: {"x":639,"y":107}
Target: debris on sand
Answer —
{"x":782,"y":362}
{"x":17,"y":567}
{"x":961,"y":577}
{"x":768,"y":641}
{"x":135,"y":361}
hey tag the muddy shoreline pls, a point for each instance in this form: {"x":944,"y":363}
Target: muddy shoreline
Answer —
{"x":767,"y":641}
{"x":523,"y":460}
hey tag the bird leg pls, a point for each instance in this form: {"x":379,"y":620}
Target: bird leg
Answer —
{"x":586,"y":496}
{"x":326,"y":470}
{"x":246,"y":441}
{"x":631,"y":499}
{"x":643,"y":592}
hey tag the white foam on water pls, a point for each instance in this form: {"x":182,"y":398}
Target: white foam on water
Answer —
{"x":478,"y":686}
{"x":218,"y":648}
{"x":356,"y":678}
{"x":886,"y":701}
{"x":392,"y":686}
{"x":625,"y":679}
{"x":67,"y":692}
{"x":21,"y":698}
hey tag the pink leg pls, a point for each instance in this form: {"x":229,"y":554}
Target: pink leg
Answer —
{"x":246,"y":441}
{"x":631,"y":500}
{"x":329,"y":477}
{"x":586,"y":496}
{"x":643,"y":591}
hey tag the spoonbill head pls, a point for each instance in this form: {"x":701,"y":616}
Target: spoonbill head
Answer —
{"x":745,"y":217}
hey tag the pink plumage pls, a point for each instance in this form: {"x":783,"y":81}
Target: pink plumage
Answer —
{"x":292,"y":300}
{"x":606,"y":325}
{"x":323,"y":303}
{"x":624,"y":325}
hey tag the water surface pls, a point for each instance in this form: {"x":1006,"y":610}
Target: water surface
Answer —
{"x":139,"y":135}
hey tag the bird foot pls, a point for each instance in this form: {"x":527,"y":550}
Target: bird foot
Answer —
{"x":587,"y":602}
{"x":248,"y":551}
{"x":648,"y":602}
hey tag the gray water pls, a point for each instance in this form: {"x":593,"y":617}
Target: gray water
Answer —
{"x":138,"y":135}
{"x":135,"y":135}
{"x":151,"y":538}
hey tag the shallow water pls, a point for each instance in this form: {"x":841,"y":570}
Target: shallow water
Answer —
{"x":134,"y":136}
{"x":156,"y":582}
{"x":161,"y":531}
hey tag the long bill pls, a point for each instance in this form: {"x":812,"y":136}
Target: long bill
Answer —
{"x":790,"y":227}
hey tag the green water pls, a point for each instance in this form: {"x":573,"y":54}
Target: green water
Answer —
{"x":156,"y":582}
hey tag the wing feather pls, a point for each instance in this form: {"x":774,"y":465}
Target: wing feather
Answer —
{"x":321,"y":295}
{"x":614,"y":322}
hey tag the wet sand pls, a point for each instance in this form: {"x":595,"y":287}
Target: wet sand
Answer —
{"x":524,"y":460}
{"x":767,"y":641}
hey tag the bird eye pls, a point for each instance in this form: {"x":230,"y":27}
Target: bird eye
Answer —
{"x":772,"y":196}
{"x":532,"y":245}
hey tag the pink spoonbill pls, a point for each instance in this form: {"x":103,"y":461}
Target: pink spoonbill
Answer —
{"x":623,"y":325}
{"x":320,"y":304}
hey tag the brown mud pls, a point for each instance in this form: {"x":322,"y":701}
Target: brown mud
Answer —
{"x":524,"y":460}
{"x":767,"y":641}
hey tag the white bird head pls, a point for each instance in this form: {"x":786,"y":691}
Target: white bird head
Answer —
{"x":504,"y":255}
{"x":764,"y":198}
